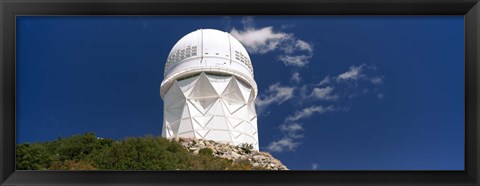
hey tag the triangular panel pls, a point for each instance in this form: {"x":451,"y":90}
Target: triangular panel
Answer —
{"x":203,"y":88}
{"x":217,"y":109}
{"x":206,"y":103}
{"x":174,"y":97}
{"x":219,"y":82}
{"x":245,"y":90}
{"x":187,"y":84}
{"x":233,"y":92}
{"x":218,"y":122}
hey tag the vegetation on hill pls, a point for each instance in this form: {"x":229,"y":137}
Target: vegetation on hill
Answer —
{"x":88,"y":152}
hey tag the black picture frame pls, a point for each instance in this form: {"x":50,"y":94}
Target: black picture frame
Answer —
{"x":9,"y":9}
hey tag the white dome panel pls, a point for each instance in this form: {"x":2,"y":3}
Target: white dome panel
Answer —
{"x":206,"y":48}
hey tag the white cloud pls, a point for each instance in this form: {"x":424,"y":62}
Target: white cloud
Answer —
{"x":358,"y":74}
{"x":307,"y":112}
{"x":261,"y":40}
{"x":291,"y":127}
{"x":292,"y":130}
{"x":354,"y":73}
{"x":296,"y":77}
{"x":302,"y":45}
{"x":275,"y":94}
{"x":324,"y":94}
{"x":294,"y":60}
{"x":296,"y":52}
{"x":376,"y":80}
{"x":325,"y":81}
{"x":314,"y":166}
{"x":329,"y":88}
{"x":283,"y":144}
{"x":293,"y":44}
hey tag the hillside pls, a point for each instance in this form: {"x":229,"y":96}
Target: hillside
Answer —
{"x":88,"y":152}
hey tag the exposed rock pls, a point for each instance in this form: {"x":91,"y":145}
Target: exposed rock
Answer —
{"x":232,"y":152}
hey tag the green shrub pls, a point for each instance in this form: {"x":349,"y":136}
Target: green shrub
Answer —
{"x":78,"y":147}
{"x":32,"y":157}
{"x":206,"y":151}
{"x":140,"y":154}
{"x":87,"y":152}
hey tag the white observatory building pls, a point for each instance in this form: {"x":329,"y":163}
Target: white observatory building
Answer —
{"x":209,"y":91}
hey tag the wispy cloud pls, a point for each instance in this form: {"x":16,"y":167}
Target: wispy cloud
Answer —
{"x":292,"y":130}
{"x":282,"y":145}
{"x":314,"y":166}
{"x":295,"y":60}
{"x":275,"y":94}
{"x":376,"y":80}
{"x":296,"y":77}
{"x":325,"y":93}
{"x":307,"y":112}
{"x":296,"y":52}
{"x":318,"y":94}
{"x":354,"y":73}
{"x":325,"y":81}
{"x":261,"y":40}
{"x":360,"y":74}
{"x":302,"y":45}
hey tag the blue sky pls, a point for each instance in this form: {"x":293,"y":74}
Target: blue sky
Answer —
{"x":335,"y":92}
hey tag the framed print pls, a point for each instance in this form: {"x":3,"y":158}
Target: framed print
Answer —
{"x":251,"y":92}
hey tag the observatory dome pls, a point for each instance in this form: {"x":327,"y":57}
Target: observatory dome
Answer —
{"x":208,"y":50}
{"x":209,"y":91}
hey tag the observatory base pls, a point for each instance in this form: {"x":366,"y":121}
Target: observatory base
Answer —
{"x":213,"y":107}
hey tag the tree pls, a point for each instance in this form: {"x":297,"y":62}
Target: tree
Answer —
{"x":78,"y":147}
{"x":32,"y":157}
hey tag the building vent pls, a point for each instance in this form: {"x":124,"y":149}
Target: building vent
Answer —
{"x":182,"y":54}
{"x":240,"y":57}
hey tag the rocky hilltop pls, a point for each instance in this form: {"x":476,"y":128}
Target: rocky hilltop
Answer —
{"x":232,"y":152}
